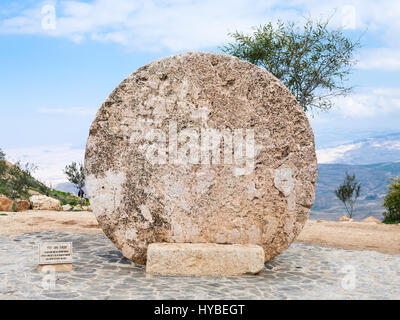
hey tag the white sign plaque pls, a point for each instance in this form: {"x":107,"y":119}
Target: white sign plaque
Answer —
{"x":55,"y":253}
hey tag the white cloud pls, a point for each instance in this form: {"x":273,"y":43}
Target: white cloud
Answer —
{"x":380,"y":59}
{"x":390,"y":145}
{"x":50,"y":160}
{"x":190,"y":25}
{"x":331,"y":155}
{"x":369,"y":102}
{"x":68,"y":111}
{"x":171,"y":24}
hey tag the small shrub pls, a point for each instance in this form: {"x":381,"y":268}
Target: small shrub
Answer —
{"x":392,"y":202}
{"x":348,"y":192}
{"x":3,"y":167}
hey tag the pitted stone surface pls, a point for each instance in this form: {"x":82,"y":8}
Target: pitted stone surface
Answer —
{"x":155,"y":173}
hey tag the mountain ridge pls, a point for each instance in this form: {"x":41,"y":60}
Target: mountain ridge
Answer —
{"x":374,"y":180}
{"x":370,"y":150}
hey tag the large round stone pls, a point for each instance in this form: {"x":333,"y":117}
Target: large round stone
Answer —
{"x":197,"y":148}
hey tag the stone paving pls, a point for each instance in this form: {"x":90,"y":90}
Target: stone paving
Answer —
{"x":101,"y":272}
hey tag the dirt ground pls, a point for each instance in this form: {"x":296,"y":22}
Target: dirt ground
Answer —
{"x":345,"y":235}
{"x":383,"y":238}
{"x":16,"y":223}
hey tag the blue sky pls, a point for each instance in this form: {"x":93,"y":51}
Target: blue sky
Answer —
{"x":55,"y":77}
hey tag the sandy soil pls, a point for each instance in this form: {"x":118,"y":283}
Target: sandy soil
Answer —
{"x":352,"y":235}
{"x":344,"y":235}
{"x":34,"y":221}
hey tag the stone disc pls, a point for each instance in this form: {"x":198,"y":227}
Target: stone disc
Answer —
{"x":198,"y":148}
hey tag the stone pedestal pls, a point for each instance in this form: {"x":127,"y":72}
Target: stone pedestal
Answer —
{"x":203,"y":259}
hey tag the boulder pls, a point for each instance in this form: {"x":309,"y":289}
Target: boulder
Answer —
{"x":203,"y":259}
{"x":67,"y":207}
{"x":372,"y":219}
{"x":77,"y":208}
{"x":42,"y":202}
{"x":201,"y":148}
{"x":23,"y":205}
{"x":6,"y":204}
{"x":346,"y":219}
{"x":33,"y":192}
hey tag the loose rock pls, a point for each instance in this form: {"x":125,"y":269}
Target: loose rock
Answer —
{"x":67,"y":207}
{"x":23,"y":205}
{"x":346,"y":219}
{"x":371,"y":219}
{"x":6,"y":204}
{"x":42,"y":202}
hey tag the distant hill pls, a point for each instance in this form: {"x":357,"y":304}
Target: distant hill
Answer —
{"x":374,"y":160}
{"x":373,"y":178}
{"x":374,"y":181}
{"x":68,"y":187}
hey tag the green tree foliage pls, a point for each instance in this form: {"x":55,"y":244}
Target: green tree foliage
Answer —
{"x":3,"y":168}
{"x":3,"y":165}
{"x":312,"y":61}
{"x":392,"y":202}
{"x":16,"y":181}
{"x":348,"y":192}
{"x":20,"y":179}
{"x":75,"y":174}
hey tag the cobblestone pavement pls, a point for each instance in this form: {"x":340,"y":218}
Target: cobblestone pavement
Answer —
{"x":100,"y":272}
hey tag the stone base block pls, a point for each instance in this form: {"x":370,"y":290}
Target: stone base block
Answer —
{"x":203,"y":259}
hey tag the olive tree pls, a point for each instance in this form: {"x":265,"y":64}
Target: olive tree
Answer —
{"x":392,"y":202}
{"x":3,"y":166}
{"x":311,"y":60}
{"x":348,"y":192}
{"x":76,"y":175}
